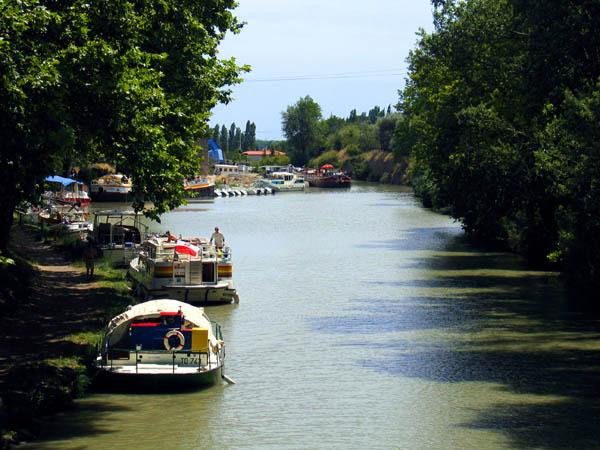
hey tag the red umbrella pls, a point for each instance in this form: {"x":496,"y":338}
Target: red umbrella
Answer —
{"x":187,"y":249}
{"x":326,"y":166}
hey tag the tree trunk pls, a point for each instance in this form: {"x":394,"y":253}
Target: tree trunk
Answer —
{"x":6,"y":221}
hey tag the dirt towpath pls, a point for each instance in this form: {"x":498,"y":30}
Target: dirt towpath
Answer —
{"x":63,"y":302}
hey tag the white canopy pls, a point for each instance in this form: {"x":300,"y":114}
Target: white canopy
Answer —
{"x":118,"y":326}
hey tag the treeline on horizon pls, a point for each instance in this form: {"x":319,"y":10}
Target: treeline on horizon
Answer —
{"x":232,"y":140}
{"x":502,"y":124}
{"x":312,"y":139}
{"x":358,"y":132}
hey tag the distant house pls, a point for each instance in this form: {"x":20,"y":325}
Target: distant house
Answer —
{"x":224,"y":169}
{"x":257,"y":155}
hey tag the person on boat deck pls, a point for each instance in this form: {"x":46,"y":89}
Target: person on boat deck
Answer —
{"x":89,"y":254}
{"x":218,"y":238}
{"x":171,"y":237}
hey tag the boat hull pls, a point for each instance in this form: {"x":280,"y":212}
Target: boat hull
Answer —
{"x":201,"y":192}
{"x":117,"y":379}
{"x":330,"y":182}
{"x":198,"y":296}
{"x":159,"y":285}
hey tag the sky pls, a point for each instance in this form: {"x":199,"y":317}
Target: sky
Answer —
{"x":345,"y":54}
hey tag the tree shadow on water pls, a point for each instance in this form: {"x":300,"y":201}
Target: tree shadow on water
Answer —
{"x":437,"y":238}
{"x":487,"y":317}
{"x":85,"y":419}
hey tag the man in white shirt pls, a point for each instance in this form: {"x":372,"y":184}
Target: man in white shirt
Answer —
{"x":217,"y":238}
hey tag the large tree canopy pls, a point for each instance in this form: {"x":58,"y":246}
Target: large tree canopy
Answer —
{"x":129,"y":81}
{"x":501,"y":110}
{"x":300,"y":123}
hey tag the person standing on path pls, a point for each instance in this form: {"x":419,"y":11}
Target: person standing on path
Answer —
{"x":89,"y":255}
{"x":218,"y":239}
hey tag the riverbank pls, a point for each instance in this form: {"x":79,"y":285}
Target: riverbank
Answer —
{"x":51,"y":334}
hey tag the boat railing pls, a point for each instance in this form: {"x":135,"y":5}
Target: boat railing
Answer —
{"x":111,"y":359}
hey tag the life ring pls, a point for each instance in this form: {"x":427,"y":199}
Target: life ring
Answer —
{"x":172,"y":333}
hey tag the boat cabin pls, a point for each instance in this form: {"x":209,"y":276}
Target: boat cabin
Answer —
{"x":156,"y":333}
{"x":119,"y":234}
{"x":185,"y":262}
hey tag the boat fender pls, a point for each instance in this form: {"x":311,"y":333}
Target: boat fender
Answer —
{"x":172,"y":333}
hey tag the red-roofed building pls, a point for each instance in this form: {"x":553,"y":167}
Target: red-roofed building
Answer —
{"x":257,"y":155}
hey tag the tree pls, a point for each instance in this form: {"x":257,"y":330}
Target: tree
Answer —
{"x":216,"y":133}
{"x":505,"y":140}
{"x":224,"y":140}
{"x":354,"y":137}
{"x":385,"y":128}
{"x":333,"y":124}
{"x":112,"y":80}
{"x":231,"y":138}
{"x":252,"y":137}
{"x":246,"y":136}
{"x":300,"y":124}
{"x":375,"y":113}
{"x":352,"y":116}
{"x":238,"y":140}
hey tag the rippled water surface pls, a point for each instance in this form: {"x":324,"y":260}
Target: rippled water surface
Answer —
{"x":366,"y":321}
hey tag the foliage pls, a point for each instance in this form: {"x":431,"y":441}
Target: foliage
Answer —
{"x":224,"y":140}
{"x":232,"y":141}
{"x":328,"y":157}
{"x":505,"y":140}
{"x":249,"y":137}
{"x":131,"y":83}
{"x":385,"y":131}
{"x":355,"y":138}
{"x":15,"y":274}
{"x":41,"y":387}
{"x":300,"y":123}
{"x":367,"y":146}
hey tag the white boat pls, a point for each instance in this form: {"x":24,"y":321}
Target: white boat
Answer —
{"x":119,"y":234}
{"x":67,"y":191}
{"x":198,"y":189}
{"x":66,"y":218}
{"x":165,"y":343}
{"x":285,"y":181}
{"x":191,"y":270}
{"x":111,"y":188}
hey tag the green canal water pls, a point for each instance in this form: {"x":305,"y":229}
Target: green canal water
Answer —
{"x":366,"y":322}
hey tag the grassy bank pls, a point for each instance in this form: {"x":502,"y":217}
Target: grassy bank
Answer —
{"x":74,"y":316}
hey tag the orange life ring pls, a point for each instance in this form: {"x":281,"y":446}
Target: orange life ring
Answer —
{"x":172,"y":333}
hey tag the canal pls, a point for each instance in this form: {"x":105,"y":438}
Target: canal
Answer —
{"x":366,"y":321}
